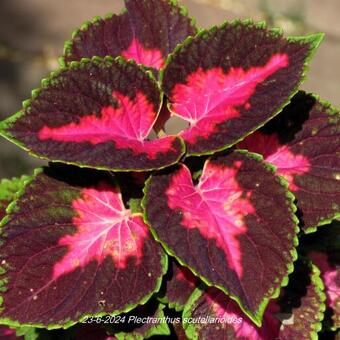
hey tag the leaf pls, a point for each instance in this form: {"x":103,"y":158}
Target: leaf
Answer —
{"x":97,"y":113}
{"x":215,"y":316}
{"x":331,"y":277}
{"x":70,"y":249}
{"x":229,"y":80}
{"x":179,"y":331}
{"x":179,"y":286}
{"x":235,"y":229}
{"x":304,"y":144}
{"x":143,"y":322}
{"x":89,"y":332}
{"x":302,"y":303}
{"x":146,"y":33}
{"x":8,"y":191}
{"x":8,"y":333}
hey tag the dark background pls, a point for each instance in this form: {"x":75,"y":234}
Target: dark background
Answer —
{"x":32,"y":33}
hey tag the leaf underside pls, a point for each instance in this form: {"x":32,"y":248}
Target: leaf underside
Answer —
{"x":229,"y":80}
{"x":227,"y":229}
{"x":71,"y":249}
{"x":97,"y":113}
{"x":303,"y":142}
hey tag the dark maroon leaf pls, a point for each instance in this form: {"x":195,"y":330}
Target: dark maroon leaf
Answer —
{"x":179,"y":331}
{"x":141,"y":323}
{"x":7,"y":333}
{"x":91,"y":331}
{"x":71,"y":249}
{"x":8,"y":192}
{"x":302,"y":303}
{"x":147,"y":32}
{"x":179,"y":286}
{"x":304,"y":144}
{"x":235,"y":229}
{"x":229,"y":80}
{"x":331,"y":277}
{"x":296,"y":315}
{"x":97,"y":113}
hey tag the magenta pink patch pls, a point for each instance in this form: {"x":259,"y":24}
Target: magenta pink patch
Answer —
{"x":148,"y":57}
{"x":226,"y":309}
{"x":330,"y":276}
{"x":288,"y":164}
{"x":217,"y":207}
{"x":104,"y":228}
{"x":212,"y":97}
{"x":128,"y":126}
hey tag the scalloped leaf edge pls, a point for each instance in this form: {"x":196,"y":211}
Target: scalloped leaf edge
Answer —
{"x":258,"y":316}
{"x":85,"y":26}
{"x":13,"y":323}
{"x":324,"y":221}
{"x":4,"y":124}
{"x":314,"y":39}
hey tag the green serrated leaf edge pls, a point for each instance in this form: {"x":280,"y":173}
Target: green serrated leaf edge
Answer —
{"x":190,"y":329}
{"x":5,"y":124}
{"x":13,"y":323}
{"x":330,"y":111}
{"x":258,"y":315}
{"x":86,"y":25}
{"x":158,"y":329}
{"x":314,"y":40}
{"x":8,"y":186}
{"x":172,"y":304}
{"x":320,"y":291}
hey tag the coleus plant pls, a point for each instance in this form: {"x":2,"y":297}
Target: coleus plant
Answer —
{"x":202,"y":225}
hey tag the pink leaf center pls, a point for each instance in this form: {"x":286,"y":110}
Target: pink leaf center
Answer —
{"x":288,"y":164}
{"x":212,"y":97}
{"x":217,"y":207}
{"x":128,"y":126}
{"x":104,"y":228}
{"x":148,"y":57}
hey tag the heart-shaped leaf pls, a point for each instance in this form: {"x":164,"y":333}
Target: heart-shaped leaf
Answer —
{"x":70,"y":249}
{"x":8,"y":191}
{"x":304,"y":144}
{"x":229,"y":80}
{"x":147,"y":32}
{"x":235,"y":229}
{"x":179,"y":286}
{"x":97,"y":113}
{"x":224,"y":319}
